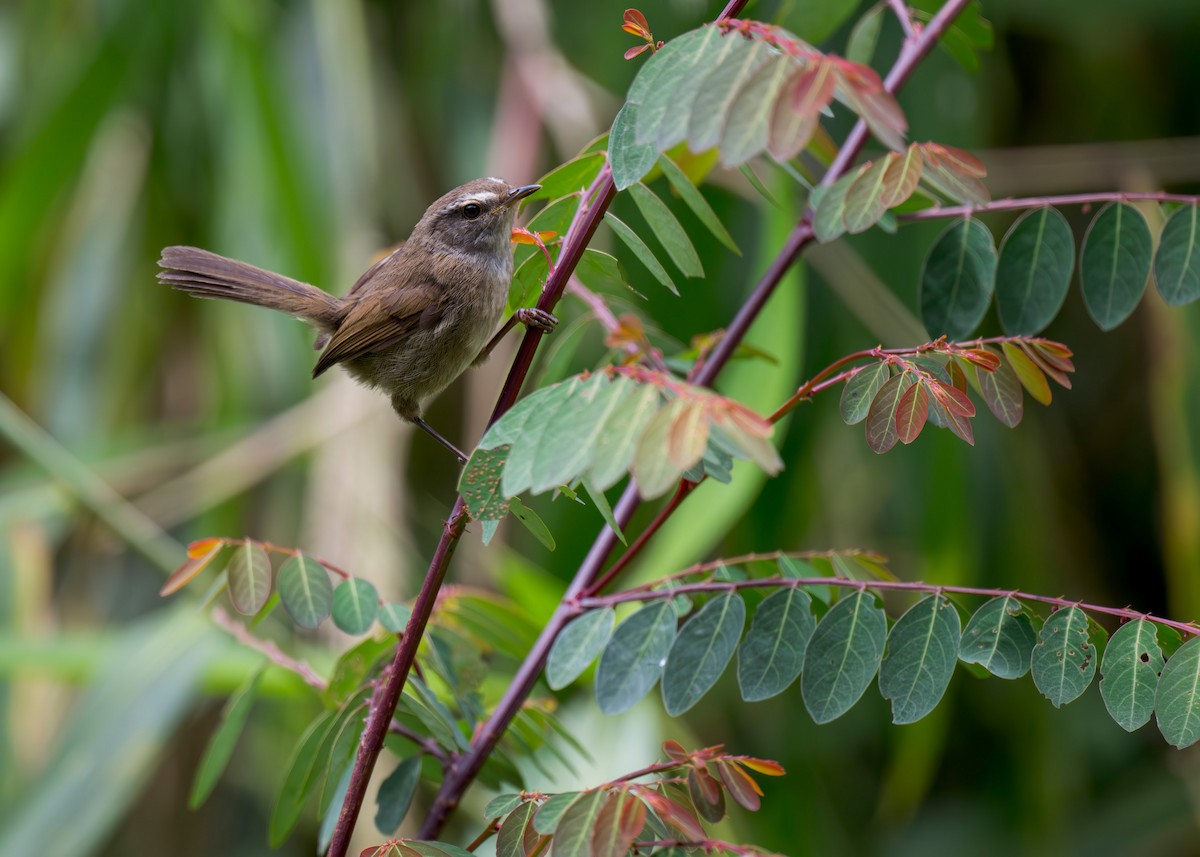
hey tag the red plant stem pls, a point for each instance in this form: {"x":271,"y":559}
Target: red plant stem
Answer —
{"x":467,"y":766}
{"x":268,"y":649}
{"x":1043,"y":201}
{"x":1123,"y":613}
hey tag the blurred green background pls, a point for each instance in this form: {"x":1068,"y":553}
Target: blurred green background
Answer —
{"x":306,"y":136}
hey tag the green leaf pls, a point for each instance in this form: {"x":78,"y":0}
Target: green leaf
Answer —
{"x":480,"y":482}
{"x":573,"y":834}
{"x":618,"y":441}
{"x":502,"y":805}
{"x":718,"y":92}
{"x":577,"y":646}
{"x":1114,"y":265}
{"x":865,"y":195}
{"x":638,"y":246}
{"x":829,"y":207}
{"x":859,"y":392}
{"x":220,"y":747}
{"x":355,"y":604}
{"x":881,"y":428}
{"x":1001,"y":391}
{"x":630,"y":159}
{"x":860,"y":47}
{"x":667,"y":229}
{"x":1034,"y":271}
{"x":551,"y":811}
{"x":772,"y":655}
{"x":602,"y":506}
{"x":747,"y":130}
{"x":621,"y":819}
{"x":922,"y":650}
{"x":633,"y":659}
{"x":695,"y":200}
{"x":532,"y":522}
{"x":396,"y":794}
{"x":342,"y":751}
{"x":394,"y":616}
{"x":516,"y":830}
{"x":598,"y":271}
{"x":330,"y":816}
{"x":1177,"y":261}
{"x":842,"y":656}
{"x":300,"y":777}
{"x":701,"y":652}
{"x":999,"y":637}
{"x":305,"y":590}
{"x":653,"y":467}
{"x":1064,"y":660}
{"x":1129,"y":674}
{"x":1177,"y":700}
{"x":957,"y":279}
{"x":571,"y":177}
{"x":426,"y":707}
{"x":249,"y":575}
{"x":671,"y":80}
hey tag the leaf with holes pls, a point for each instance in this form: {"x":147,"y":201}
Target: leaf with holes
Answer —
{"x":957,"y":279}
{"x":1114,"y":264}
{"x":1034,"y":271}
{"x":1064,"y":660}
{"x":577,"y":646}
{"x":922,"y":650}
{"x":249,"y":578}
{"x":842,"y":656}
{"x":355,"y":603}
{"x":701,"y":651}
{"x":772,"y":655}
{"x":1177,"y":260}
{"x":1177,"y":700}
{"x":881,"y":430}
{"x":999,"y":637}
{"x":633,"y":659}
{"x":479,"y":484}
{"x":1129,"y":674}
{"x":859,"y":392}
{"x":305,"y":591}
{"x":667,"y":229}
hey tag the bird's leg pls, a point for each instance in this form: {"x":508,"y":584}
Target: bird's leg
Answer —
{"x":458,"y":453}
{"x":528,"y":316}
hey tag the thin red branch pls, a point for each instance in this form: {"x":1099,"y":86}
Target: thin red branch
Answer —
{"x":268,"y":649}
{"x":1084,"y":199}
{"x":685,"y":488}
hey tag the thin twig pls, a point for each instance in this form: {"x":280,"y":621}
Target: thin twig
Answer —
{"x":267,"y":648}
{"x":904,"y":16}
{"x":1085,"y":199}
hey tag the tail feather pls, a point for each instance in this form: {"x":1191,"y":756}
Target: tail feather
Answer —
{"x":207,"y":275}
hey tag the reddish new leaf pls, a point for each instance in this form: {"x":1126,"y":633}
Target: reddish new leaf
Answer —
{"x":862,"y":91}
{"x":901,"y":176}
{"x":620,"y":820}
{"x":1001,"y":392}
{"x":766,"y":767}
{"x":863,"y":204}
{"x":911,"y":413}
{"x":706,"y":795}
{"x":635,"y":24}
{"x":196,"y":564}
{"x":957,"y":161}
{"x":810,"y":90}
{"x":958,"y":424}
{"x":1031,"y":377}
{"x":741,"y":785}
{"x":983,"y":358}
{"x":675,"y":752}
{"x":954,"y":173}
{"x":687,"y":436}
{"x":881,"y":418}
{"x":953,"y":399}
{"x":1053,"y":364}
{"x":203,"y":547}
{"x":957,"y":377}
{"x":635,"y":50}
{"x":675,"y":814}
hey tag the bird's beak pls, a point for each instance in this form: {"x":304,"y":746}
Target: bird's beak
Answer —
{"x":519,"y":193}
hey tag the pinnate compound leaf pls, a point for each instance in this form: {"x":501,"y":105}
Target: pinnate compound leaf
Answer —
{"x":957,"y":279}
{"x":1177,"y":261}
{"x":633,"y":659}
{"x":621,"y":819}
{"x":644,"y":254}
{"x":305,"y":590}
{"x":911,"y":412}
{"x":249,"y":578}
{"x":577,"y":646}
{"x":355,"y":604}
{"x":881,"y":428}
{"x":859,"y":392}
{"x":573,"y":834}
{"x":999,"y":637}
{"x":1064,"y":660}
{"x":1114,"y":264}
{"x":220,"y":747}
{"x":695,"y":200}
{"x":701,"y":651}
{"x":772,"y":655}
{"x":1037,"y":258}
{"x":1031,"y":377}
{"x":922,"y":650}
{"x":1001,"y":391}
{"x":1129,"y":674}
{"x":668,"y":230}
{"x":842,"y":657}
{"x":630,"y":159}
{"x":396,"y":794}
{"x":517,"y":833}
{"x":1177,"y":700}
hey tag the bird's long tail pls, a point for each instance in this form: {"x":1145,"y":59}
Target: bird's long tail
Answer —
{"x":207,"y":275}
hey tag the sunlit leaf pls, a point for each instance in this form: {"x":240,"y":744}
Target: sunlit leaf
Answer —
{"x":1037,"y":258}
{"x":617,"y":443}
{"x":193,"y":566}
{"x":1129,"y":674}
{"x":1177,"y":700}
{"x":355,"y":604}
{"x":633,"y":659}
{"x":1114,"y":264}
{"x":842,"y":657}
{"x":577,"y":646}
{"x":999,"y":637}
{"x":957,"y":279}
{"x":652,"y":465}
{"x":249,"y":578}
{"x":630,"y":159}
{"x":772,"y":655}
{"x":1177,"y":260}
{"x":701,"y":651}
{"x":673,"y":77}
{"x":305,"y":590}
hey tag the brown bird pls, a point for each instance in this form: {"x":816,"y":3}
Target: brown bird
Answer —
{"x":417,"y":318}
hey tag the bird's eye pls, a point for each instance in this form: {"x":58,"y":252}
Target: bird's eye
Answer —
{"x":472,"y":210}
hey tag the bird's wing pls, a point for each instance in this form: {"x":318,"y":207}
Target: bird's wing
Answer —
{"x":376,"y":324}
